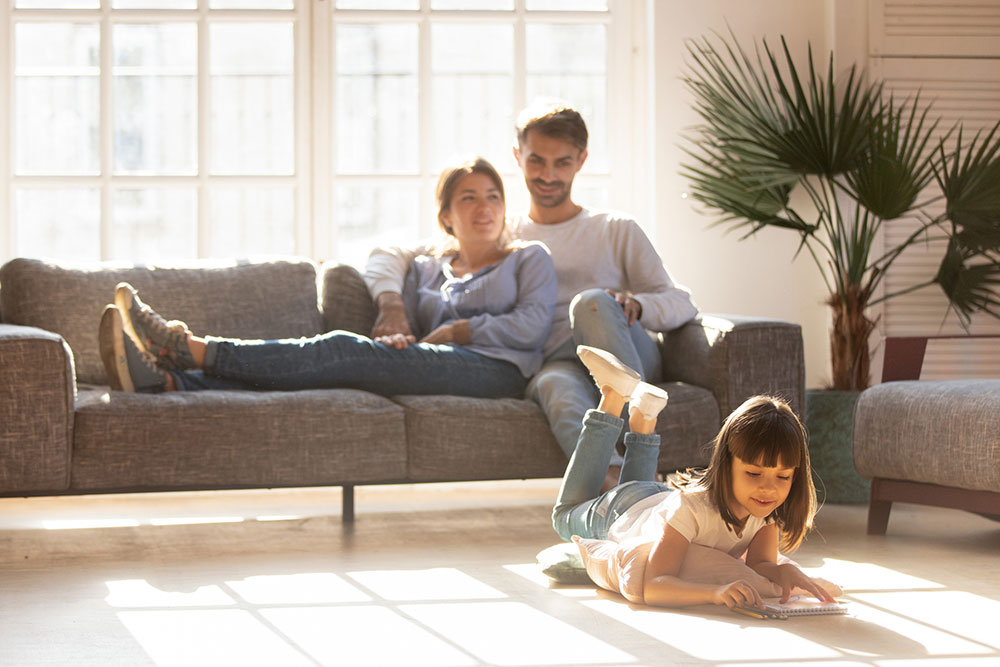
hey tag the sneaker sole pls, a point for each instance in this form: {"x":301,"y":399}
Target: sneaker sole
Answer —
{"x":113,"y":350}
{"x":592,"y":356}
{"x":123,"y":299}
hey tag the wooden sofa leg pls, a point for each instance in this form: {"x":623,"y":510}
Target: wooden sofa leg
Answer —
{"x":347,"y":495}
{"x":878,"y":511}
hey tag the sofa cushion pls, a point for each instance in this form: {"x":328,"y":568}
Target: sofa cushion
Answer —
{"x":455,"y":437}
{"x":270,"y":299}
{"x":235,"y":439}
{"x":346,"y":302}
{"x":937,"y":432}
{"x":446,"y":435}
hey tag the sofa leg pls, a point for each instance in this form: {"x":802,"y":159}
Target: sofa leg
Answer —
{"x":347,"y":495}
{"x":878,"y":511}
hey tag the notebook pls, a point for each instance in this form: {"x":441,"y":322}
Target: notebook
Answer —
{"x":800,"y":605}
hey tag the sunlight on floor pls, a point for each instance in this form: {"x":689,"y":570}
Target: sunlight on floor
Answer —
{"x":444,"y":616}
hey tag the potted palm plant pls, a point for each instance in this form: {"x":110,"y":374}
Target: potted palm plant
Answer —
{"x":864,"y":160}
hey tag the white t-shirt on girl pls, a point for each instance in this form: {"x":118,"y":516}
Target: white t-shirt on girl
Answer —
{"x":690,"y":513}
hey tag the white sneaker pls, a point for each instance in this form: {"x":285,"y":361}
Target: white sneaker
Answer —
{"x":608,"y":370}
{"x":648,"y":399}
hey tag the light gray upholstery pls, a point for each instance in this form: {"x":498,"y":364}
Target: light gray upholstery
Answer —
{"x":273,"y":299}
{"x":36,"y":409}
{"x":224,"y":439}
{"x":736,"y":357}
{"x":943,"y":432}
{"x":113,"y":441}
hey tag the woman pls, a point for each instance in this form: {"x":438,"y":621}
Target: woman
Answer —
{"x":481,"y":306}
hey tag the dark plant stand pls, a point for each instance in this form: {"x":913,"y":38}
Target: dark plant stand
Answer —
{"x":829,"y":420}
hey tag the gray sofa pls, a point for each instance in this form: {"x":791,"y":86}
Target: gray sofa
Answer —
{"x":63,"y":432}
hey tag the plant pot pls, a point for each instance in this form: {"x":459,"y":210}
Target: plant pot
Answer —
{"x":830,"y":421}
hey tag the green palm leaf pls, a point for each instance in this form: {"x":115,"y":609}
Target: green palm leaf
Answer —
{"x":891,"y":174}
{"x":970,"y":181}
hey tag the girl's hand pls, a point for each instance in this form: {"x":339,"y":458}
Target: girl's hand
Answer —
{"x":737,"y":594}
{"x":443,"y":334}
{"x":790,"y":577}
{"x":398,"y":341}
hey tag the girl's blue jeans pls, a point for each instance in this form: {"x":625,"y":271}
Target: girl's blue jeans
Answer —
{"x":340,"y":359}
{"x":581,"y":509}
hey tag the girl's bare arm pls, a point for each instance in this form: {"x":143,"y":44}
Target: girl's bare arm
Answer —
{"x":662,"y":587}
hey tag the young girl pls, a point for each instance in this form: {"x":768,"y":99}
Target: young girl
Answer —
{"x":757,"y":491}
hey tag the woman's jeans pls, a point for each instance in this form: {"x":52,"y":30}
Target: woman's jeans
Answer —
{"x":581,"y":509}
{"x":340,"y":359}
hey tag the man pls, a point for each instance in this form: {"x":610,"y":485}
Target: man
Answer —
{"x":612,"y":283}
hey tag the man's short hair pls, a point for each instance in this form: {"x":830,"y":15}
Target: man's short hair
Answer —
{"x":555,"y":119}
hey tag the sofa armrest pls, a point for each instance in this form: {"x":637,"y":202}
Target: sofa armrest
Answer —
{"x":736,"y":357}
{"x":37,"y":394}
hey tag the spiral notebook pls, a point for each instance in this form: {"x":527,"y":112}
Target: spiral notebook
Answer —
{"x":801,"y":605}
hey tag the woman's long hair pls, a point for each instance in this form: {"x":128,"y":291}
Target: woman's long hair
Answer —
{"x":763,"y":431}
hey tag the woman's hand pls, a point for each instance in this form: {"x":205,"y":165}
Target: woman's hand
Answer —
{"x":737,"y":594}
{"x":398,"y":341}
{"x":443,"y":334}
{"x":790,"y":577}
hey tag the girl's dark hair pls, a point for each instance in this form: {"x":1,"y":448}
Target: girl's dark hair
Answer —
{"x":448,"y":183}
{"x":763,"y":431}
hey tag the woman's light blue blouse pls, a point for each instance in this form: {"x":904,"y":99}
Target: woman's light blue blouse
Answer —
{"x":508,"y":304}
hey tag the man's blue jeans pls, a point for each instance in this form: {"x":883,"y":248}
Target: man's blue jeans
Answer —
{"x":563,"y":387}
{"x":340,"y":359}
{"x":580,"y":508}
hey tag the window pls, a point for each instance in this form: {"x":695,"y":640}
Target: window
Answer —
{"x":161,"y":130}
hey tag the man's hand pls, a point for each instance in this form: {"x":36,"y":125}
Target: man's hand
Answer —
{"x":391,"y":318}
{"x":398,"y":341}
{"x":631,"y":307}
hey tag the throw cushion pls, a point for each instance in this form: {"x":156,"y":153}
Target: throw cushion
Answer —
{"x":562,"y":564}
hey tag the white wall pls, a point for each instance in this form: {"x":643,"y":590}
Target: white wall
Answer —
{"x":756,"y":276}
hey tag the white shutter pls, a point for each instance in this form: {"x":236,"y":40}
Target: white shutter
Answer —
{"x":950,"y":53}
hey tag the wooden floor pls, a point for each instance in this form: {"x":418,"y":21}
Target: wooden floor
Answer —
{"x":443,"y":575}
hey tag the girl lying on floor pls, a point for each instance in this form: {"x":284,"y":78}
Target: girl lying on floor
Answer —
{"x":715,"y":538}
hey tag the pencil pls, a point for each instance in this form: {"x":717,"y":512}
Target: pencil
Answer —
{"x":750,"y":612}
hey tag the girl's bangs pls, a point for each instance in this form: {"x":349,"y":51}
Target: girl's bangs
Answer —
{"x":768,"y":442}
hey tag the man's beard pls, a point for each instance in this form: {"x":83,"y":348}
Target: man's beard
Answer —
{"x":553,"y":200}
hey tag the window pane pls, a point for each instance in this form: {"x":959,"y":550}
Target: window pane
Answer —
{"x":154,"y":4}
{"x":472,"y":90}
{"x":57,"y":4}
{"x":154,"y":225}
{"x":377,"y":130}
{"x":252,"y":221}
{"x":58,"y":223}
{"x":564,"y":5}
{"x":252,"y":98}
{"x":370,"y":216}
{"x":251,"y":4}
{"x":558,"y":67}
{"x":155,"y":79}
{"x":472,"y":4}
{"x":378,"y":4}
{"x":57,"y":87}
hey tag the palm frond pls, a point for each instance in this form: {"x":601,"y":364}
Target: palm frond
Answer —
{"x":970,"y":181}
{"x":969,"y":285}
{"x":891,"y":174}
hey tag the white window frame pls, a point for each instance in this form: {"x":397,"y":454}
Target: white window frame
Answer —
{"x":629,"y":176}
